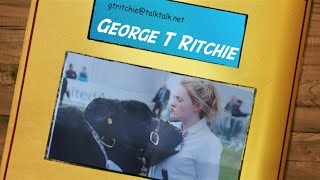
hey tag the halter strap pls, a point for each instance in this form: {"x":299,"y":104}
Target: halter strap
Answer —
{"x":154,"y":137}
{"x":153,"y":141}
{"x":97,"y":139}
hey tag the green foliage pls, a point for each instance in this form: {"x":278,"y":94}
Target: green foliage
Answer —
{"x":78,"y":107}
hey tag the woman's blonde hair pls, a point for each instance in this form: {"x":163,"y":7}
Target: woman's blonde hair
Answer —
{"x":204,"y":92}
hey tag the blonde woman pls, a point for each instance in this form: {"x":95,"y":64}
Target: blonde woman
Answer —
{"x":195,"y":105}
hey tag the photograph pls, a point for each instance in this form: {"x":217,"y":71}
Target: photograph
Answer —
{"x":149,"y":123}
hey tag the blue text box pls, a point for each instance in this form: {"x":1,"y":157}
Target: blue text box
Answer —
{"x":173,"y":28}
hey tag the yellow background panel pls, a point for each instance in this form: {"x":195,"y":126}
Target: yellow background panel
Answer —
{"x":268,"y":64}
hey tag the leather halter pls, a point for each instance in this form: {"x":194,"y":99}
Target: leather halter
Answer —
{"x":96,"y":138}
{"x":154,"y":137}
{"x":153,"y":141}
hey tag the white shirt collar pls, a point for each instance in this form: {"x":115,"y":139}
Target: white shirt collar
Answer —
{"x":194,"y":128}
{"x":197,"y":126}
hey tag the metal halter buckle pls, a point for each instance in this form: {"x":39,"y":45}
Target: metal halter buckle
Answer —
{"x":107,"y":145}
{"x":154,"y":138}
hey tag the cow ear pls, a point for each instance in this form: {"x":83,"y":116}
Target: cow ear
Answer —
{"x":98,"y":109}
{"x":138,"y":108}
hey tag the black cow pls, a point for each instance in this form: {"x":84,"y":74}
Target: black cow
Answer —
{"x":130,"y":135}
{"x":72,"y":140}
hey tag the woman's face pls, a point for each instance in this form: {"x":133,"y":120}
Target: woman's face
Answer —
{"x":181,"y":107}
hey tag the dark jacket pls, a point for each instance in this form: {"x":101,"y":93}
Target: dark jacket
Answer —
{"x":165,"y":98}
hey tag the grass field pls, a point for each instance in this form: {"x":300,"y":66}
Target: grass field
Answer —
{"x":230,"y":163}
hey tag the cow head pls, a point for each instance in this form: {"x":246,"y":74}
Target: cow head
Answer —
{"x":130,"y":127}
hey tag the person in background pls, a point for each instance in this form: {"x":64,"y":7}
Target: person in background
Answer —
{"x":238,"y":125}
{"x":70,"y":73}
{"x":226,"y":128}
{"x":235,"y":125}
{"x":83,"y":75}
{"x":195,"y":104}
{"x":161,"y":99}
{"x":230,"y":105}
{"x":64,"y":90}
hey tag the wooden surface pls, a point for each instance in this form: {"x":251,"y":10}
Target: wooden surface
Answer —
{"x":303,"y":161}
